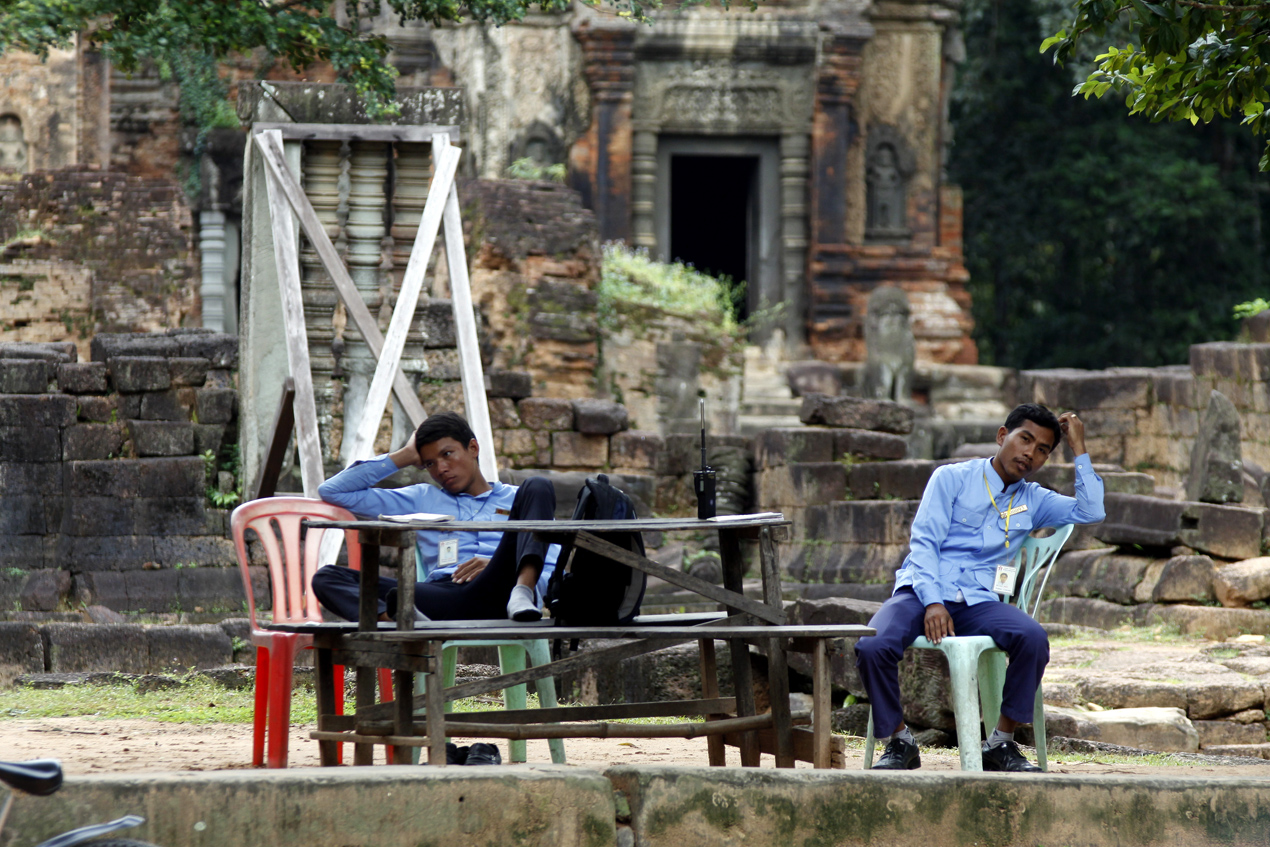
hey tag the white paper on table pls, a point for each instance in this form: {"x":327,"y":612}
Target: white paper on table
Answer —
{"x":417,"y":516}
{"x":756,"y":516}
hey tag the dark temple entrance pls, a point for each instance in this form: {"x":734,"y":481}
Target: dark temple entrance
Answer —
{"x":712,"y":216}
{"x":717,"y":208}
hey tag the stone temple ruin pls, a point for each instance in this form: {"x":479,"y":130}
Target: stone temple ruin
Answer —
{"x":799,"y":149}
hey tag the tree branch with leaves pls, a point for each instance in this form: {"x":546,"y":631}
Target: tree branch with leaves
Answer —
{"x":1193,"y":60}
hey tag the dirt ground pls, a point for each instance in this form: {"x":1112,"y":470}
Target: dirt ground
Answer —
{"x":130,"y":746}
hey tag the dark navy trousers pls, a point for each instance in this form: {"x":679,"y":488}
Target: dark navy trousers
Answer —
{"x":484,"y":598}
{"x":902,"y":619}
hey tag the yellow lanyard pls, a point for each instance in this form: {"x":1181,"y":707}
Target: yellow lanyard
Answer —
{"x":1008,"y":511}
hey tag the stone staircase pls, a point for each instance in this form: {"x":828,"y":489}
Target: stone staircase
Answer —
{"x":766,"y":401}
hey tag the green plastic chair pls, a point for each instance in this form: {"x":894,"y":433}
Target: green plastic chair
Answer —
{"x":512,"y":657}
{"x":977,"y":665}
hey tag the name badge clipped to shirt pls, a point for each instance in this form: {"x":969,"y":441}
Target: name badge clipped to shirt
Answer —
{"x":448,"y":552}
{"x":1006,"y":576}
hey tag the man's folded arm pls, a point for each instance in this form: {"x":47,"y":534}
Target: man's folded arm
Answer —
{"x":1085,"y":508}
{"x":353,"y":488}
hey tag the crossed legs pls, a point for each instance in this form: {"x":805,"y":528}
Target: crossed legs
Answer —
{"x":516,"y":561}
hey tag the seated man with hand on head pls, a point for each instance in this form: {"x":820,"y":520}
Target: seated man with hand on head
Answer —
{"x":972,"y":517}
{"x":471,"y":575}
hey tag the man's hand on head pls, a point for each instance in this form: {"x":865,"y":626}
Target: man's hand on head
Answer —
{"x":1074,"y":431}
{"x":470,"y":569}
{"x":406,"y":456}
{"x":938,"y":623}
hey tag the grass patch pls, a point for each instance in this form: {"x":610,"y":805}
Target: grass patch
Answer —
{"x":198,"y":701}
{"x":1155,"y":760}
{"x":1160,"y":633}
{"x":630,"y":278}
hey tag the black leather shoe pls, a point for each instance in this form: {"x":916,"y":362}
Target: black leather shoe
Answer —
{"x":1006,"y":757}
{"x":483,"y":754}
{"x":455,"y":755}
{"x":899,"y":755}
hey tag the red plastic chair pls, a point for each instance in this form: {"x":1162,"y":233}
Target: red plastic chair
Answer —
{"x":276,"y":522}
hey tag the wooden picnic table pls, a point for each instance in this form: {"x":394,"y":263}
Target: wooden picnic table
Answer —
{"x":408,"y":647}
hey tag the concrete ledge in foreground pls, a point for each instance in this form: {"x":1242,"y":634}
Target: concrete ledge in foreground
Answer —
{"x":704,"y":807}
{"x":561,"y":806}
{"x":381,"y":806}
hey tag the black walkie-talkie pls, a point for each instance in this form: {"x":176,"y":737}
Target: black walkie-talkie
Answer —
{"x":703,"y":480}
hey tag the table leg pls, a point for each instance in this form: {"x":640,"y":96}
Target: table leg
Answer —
{"x":368,"y":583}
{"x":367,"y":621}
{"x":709,"y":689}
{"x":742,"y":676}
{"x":435,"y":703}
{"x":821,"y":687}
{"x":404,"y":681}
{"x":777,"y":657}
{"x":324,"y":668}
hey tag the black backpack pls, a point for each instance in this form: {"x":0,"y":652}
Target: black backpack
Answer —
{"x":587,"y":589}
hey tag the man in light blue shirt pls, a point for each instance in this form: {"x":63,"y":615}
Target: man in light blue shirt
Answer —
{"x":972,"y":516}
{"x":470,"y":575}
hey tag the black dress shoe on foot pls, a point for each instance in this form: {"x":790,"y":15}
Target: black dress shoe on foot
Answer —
{"x":455,"y":755}
{"x":1006,"y":757}
{"x":899,"y":755}
{"x":483,"y":754}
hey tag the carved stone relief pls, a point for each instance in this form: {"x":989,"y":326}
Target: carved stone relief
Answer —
{"x":540,"y":143}
{"x":889,"y":164}
{"x":13,"y":155}
{"x":719,"y":98}
{"x":888,"y":338}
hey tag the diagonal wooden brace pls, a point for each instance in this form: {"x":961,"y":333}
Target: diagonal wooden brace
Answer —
{"x":272,"y":153}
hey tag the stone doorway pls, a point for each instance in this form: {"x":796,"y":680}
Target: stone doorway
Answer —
{"x":717,"y":208}
{"x":712,"y":216}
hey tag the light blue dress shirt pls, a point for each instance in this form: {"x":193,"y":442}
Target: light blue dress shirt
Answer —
{"x":958,"y":536}
{"x":353,"y":488}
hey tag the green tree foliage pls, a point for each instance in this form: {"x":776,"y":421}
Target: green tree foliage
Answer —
{"x":187,"y":40}
{"x":1194,"y":60}
{"x":1093,"y":239}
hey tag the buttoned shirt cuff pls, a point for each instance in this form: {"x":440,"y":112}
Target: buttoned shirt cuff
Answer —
{"x":928,"y":594}
{"x":1083,"y":462}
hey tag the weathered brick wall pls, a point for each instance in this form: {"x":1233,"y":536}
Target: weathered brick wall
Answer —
{"x":41,"y":94}
{"x":87,"y":251}
{"x":534,"y":267}
{"x":101,"y":478}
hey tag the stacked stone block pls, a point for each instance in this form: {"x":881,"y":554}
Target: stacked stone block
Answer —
{"x":534,"y":271}
{"x":1147,"y":419}
{"x":1157,"y":557}
{"x":829,"y":478}
{"x":102,"y":478}
{"x":88,"y":250}
{"x":568,"y":440}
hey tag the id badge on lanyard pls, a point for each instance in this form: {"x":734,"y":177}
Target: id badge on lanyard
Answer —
{"x":1007,"y":576}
